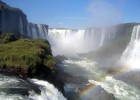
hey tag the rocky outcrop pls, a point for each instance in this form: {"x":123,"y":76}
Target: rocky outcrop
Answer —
{"x":29,"y":58}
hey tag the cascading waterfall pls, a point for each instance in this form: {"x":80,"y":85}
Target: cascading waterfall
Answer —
{"x":67,"y":41}
{"x":71,"y":41}
{"x":13,"y":88}
{"x":102,"y":37}
{"x":34,"y":32}
{"x":48,"y":91}
{"x":21,"y":26}
{"x":41,"y":31}
{"x":131,"y":56}
{"x":55,"y":35}
{"x":45,"y":31}
{"x":29,"y":32}
{"x":76,"y":40}
{"x":37,"y":31}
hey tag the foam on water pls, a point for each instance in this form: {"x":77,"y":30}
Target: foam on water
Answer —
{"x":8,"y":83}
{"x":121,"y":90}
{"x":48,"y":92}
{"x":131,"y":56}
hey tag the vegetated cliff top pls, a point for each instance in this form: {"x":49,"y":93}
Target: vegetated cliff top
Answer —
{"x":32,"y":58}
{"x":4,"y":5}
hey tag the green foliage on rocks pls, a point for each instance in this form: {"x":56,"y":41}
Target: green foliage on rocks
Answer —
{"x":25,"y":56}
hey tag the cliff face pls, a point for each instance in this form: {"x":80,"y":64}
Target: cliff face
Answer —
{"x":12,"y":20}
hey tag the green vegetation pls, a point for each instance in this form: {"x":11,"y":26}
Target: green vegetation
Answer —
{"x":5,"y":38}
{"x":25,"y":56}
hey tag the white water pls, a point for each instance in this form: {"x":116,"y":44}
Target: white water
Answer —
{"x":131,"y":56}
{"x":42,"y":31}
{"x":90,"y":71}
{"x":83,"y":68}
{"x":21,"y":26}
{"x":67,"y":42}
{"x":34,"y":32}
{"x":121,"y":90}
{"x":48,"y":91}
{"x":29,"y":33}
{"x":102,"y":37}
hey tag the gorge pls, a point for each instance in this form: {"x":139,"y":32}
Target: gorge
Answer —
{"x":96,"y":63}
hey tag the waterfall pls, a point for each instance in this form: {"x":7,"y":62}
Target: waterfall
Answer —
{"x":55,"y":35}
{"x":48,"y":92}
{"x":67,"y":41}
{"x":37,"y":31}
{"x":34,"y":32}
{"x":72,"y":41}
{"x":14,"y":88}
{"x":45,"y":31}
{"x":41,"y":31}
{"x":21,"y":26}
{"x":76,"y":40}
{"x":29,"y":32}
{"x":102,"y":37}
{"x":131,"y":56}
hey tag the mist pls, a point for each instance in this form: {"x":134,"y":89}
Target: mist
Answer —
{"x":104,"y":13}
{"x":69,"y":42}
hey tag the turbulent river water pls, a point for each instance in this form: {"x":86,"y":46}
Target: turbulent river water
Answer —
{"x":98,"y":84}
{"x":16,"y":88}
{"x":88,"y":69}
{"x":13,"y":87}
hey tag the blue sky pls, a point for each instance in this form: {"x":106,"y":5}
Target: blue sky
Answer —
{"x":79,"y":13}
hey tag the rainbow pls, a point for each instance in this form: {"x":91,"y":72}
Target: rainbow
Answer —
{"x":90,"y":86}
{"x":86,"y":90}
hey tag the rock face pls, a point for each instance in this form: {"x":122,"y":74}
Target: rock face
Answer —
{"x":12,"y":20}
